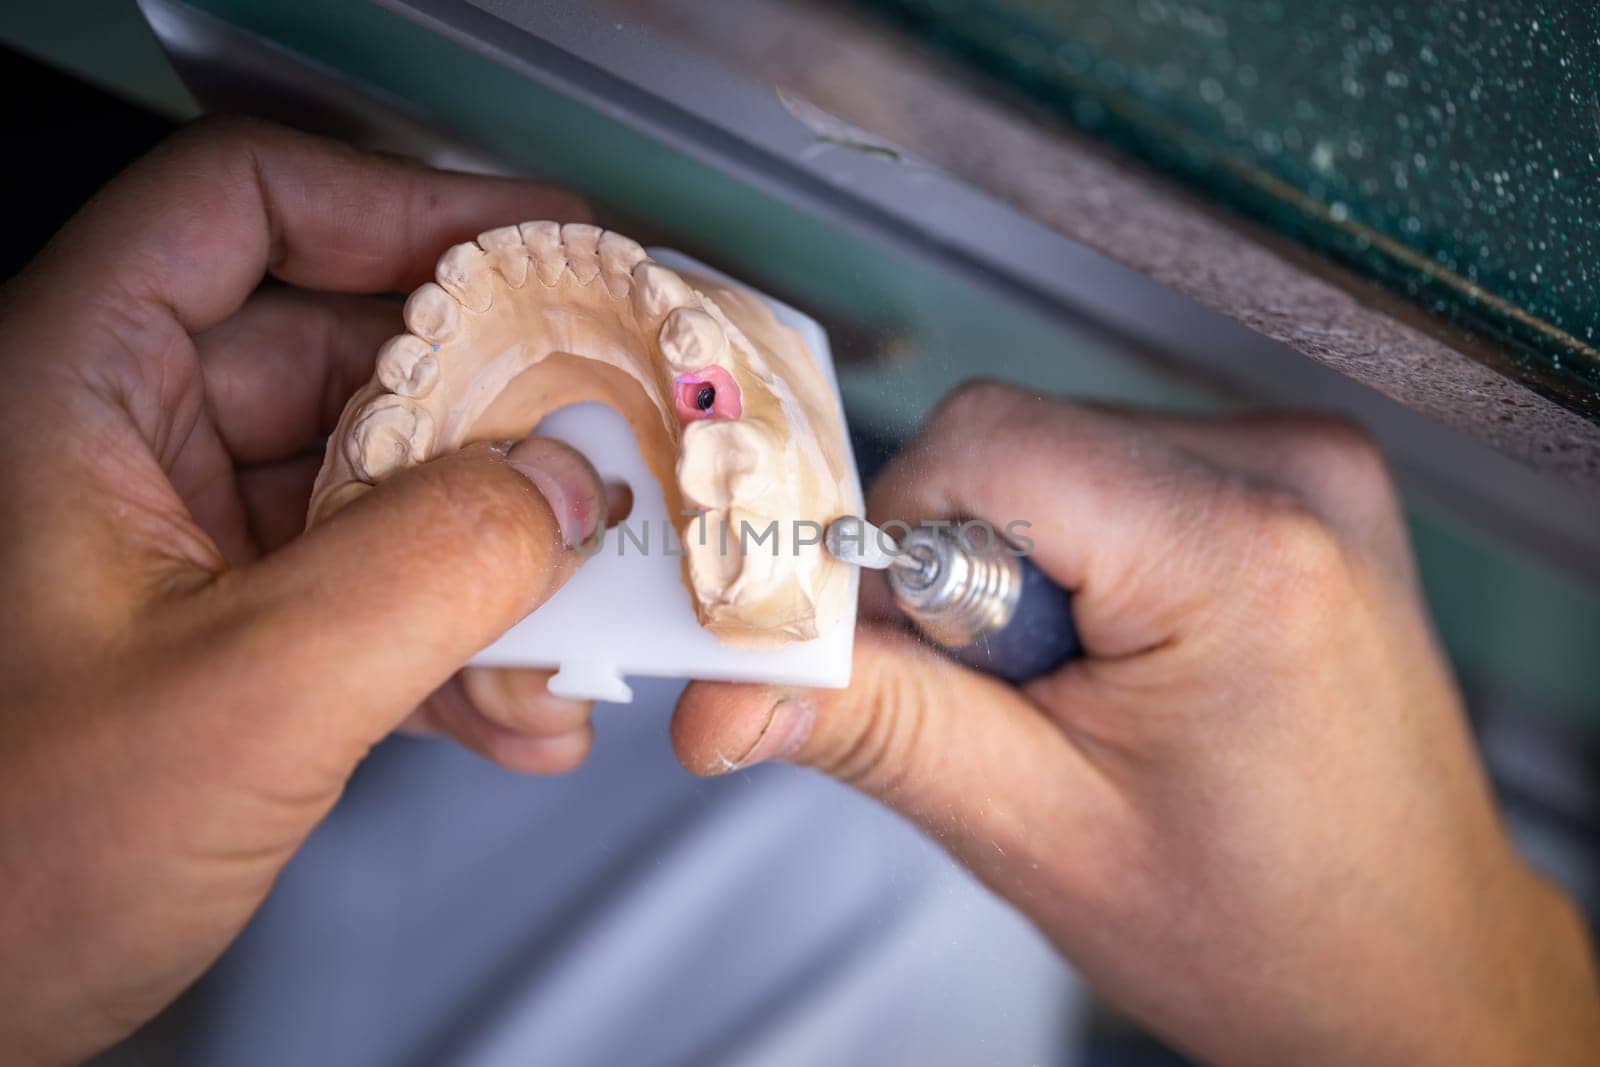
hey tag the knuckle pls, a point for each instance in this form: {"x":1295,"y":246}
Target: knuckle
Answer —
{"x":505,"y":531}
{"x":130,"y":329}
{"x":555,"y":756}
{"x":221,"y":127}
{"x":1336,"y":450}
{"x":507,"y":527}
{"x":977,"y":400}
{"x":991,"y":417}
{"x":1299,"y":568}
{"x":220,"y":140}
{"x":1296,"y":539}
{"x":886,"y":755}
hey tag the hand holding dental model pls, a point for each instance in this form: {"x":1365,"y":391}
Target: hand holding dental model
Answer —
{"x":732,"y":415}
{"x":189,"y":680}
{"x":1250,"y":813}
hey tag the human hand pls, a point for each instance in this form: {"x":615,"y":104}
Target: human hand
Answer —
{"x":1252,"y":814}
{"x":189,"y":684}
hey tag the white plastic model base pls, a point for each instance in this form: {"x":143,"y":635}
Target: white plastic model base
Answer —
{"x":627,"y":611}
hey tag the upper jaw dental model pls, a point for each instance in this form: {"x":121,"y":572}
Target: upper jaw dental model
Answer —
{"x":732,"y":415}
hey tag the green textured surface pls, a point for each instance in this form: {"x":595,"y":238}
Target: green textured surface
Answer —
{"x":1444,"y":149}
{"x":1507,"y":618}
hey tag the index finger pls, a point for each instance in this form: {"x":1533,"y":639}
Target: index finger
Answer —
{"x":1123,"y":520}
{"x":195,"y":225}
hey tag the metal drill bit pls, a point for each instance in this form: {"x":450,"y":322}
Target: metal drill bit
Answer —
{"x":853,"y":540}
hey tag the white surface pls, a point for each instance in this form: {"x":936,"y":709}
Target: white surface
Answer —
{"x":627,"y":612}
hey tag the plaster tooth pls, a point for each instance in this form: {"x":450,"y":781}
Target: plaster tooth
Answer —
{"x":391,"y":432}
{"x":464,"y":273}
{"x":432,"y":314}
{"x":656,"y":292}
{"x":756,"y":571}
{"x":618,"y":256}
{"x":407,"y":367}
{"x":582,"y":242}
{"x":736,"y":336}
{"x":543,"y":240}
{"x":690,"y":339}
{"x":507,"y":254}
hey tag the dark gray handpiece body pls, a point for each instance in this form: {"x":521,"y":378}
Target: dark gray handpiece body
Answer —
{"x":985,"y":603}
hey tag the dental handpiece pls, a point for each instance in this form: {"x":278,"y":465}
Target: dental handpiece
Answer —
{"x":975,"y":596}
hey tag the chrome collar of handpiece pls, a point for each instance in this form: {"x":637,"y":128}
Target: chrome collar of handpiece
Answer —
{"x":956,"y":593}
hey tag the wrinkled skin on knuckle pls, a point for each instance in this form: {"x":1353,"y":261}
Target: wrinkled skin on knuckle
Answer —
{"x":895,"y":741}
{"x":222,"y":135}
{"x":1169,"y":573}
{"x":504,"y":534}
{"x":970,"y":397}
{"x":1297,"y":574}
{"x":139,"y":351}
{"x":1300,"y":547}
{"x":235,"y":147}
{"x":235,"y":155}
{"x":504,"y":529}
{"x":223,"y":149}
{"x":977,"y":405}
{"x":1340,"y":468}
{"x":1343,"y":449}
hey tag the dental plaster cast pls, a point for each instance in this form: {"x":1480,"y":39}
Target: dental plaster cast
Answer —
{"x":732,"y":416}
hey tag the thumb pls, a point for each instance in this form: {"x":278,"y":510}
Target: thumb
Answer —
{"x":363,"y":616}
{"x":968,"y":758}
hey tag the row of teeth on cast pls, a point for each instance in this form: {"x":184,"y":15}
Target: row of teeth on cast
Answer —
{"x":396,"y":429}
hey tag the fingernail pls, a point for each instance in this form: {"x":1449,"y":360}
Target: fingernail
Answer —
{"x":787,"y":727}
{"x":568,"y":483}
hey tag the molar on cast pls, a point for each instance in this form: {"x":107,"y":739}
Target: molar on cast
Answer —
{"x":391,"y":432}
{"x":719,"y":458}
{"x":407,"y":367}
{"x":432,"y":314}
{"x":691,"y":339}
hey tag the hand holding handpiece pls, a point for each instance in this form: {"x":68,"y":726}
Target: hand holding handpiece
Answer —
{"x":1250,"y":811}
